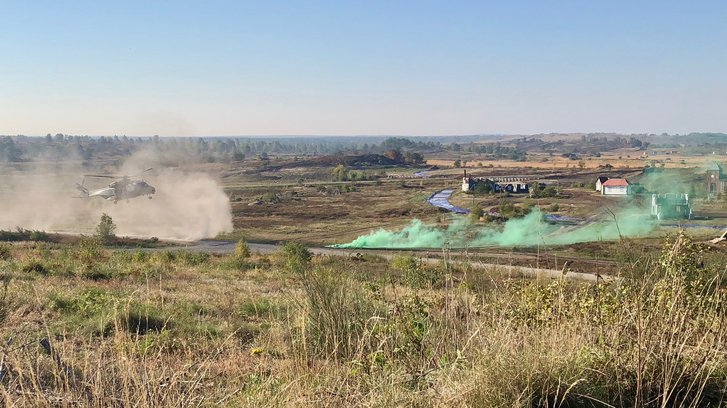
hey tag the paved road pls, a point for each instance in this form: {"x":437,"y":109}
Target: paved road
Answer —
{"x":225,"y":247}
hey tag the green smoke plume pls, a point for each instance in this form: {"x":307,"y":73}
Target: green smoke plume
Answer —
{"x":530,"y":230}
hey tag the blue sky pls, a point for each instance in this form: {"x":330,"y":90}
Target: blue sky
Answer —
{"x":362,"y":67}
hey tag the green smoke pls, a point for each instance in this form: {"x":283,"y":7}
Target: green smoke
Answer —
{"x":530,"y":230}
{"x":679,"y":181}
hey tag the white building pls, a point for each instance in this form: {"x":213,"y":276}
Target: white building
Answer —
{"x":618,"y":187}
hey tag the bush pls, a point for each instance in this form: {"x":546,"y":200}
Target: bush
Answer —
{"x":296,"y":256}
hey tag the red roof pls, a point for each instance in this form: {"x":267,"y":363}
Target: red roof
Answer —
{"x":614,"y":182}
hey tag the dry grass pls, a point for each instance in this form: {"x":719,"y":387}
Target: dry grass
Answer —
{"x":183,"y":329}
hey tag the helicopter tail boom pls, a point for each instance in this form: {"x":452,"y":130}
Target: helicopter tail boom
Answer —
{"x":82,"y":189}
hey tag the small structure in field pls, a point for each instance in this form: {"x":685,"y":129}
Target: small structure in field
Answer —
{"x":716,"y":179}
{"x":517,"y":185}
{"x":671,"y":206}
{"x":599,"y":183}
{"x":616,"y":187}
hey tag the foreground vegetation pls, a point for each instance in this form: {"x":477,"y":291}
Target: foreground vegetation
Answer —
{"x":82,"y":325}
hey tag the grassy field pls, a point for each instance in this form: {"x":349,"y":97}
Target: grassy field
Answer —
{"x":85,"y":326}
{"x":622,"y":159}
{"x":133,"y":323}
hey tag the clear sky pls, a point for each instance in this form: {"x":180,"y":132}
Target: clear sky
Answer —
{"x":362,"y":67}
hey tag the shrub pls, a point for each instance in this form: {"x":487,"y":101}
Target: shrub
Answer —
{"x":549,"y":191}
{"x":415,"y":273}
{"x":193,"y":258}
{"x":510,"y":210}
{"x":5,"y":252}
{"x":242,"y":250}
{"x":296,"y":256}
{"x":270,"y":197}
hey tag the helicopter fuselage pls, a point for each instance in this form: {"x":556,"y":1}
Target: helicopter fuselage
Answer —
{"x":120,"y":190}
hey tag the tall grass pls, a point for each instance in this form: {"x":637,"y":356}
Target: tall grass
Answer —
{"x":181,"y":329}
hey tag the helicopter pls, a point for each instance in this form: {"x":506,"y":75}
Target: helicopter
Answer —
{"x":122,"y":188}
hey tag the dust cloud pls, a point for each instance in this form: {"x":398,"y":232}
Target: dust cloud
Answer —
{"x":186,"y":206}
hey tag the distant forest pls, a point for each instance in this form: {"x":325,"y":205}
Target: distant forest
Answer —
{"x":211,"y":149}
{"x":223,"y":149}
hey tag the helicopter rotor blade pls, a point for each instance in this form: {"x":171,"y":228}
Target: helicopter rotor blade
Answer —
{"x":116,"y":176}
{"x":144,"y":171}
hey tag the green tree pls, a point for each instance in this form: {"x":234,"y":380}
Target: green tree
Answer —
{"x":483,"y":188}
{"x":106,"y":229}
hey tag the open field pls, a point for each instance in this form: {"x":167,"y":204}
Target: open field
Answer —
{"x":466,"y":321}
{"x":301,"y":205}
{"x":623,"y":159}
